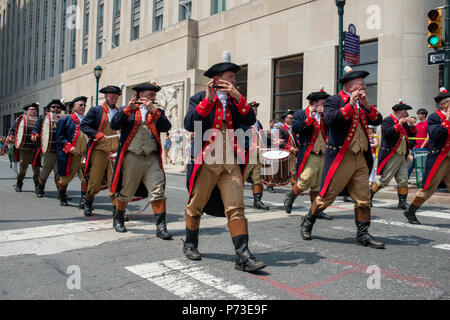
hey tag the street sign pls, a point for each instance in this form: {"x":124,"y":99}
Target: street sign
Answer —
{"x":435,"y":58}
{"x":352,"y":48}
{"x":352,"y":28}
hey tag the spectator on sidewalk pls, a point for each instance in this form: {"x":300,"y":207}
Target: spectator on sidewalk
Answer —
{"x":177,"y":146}
{"x":187,"y":151}
{"x":167,"y":145}
{"x":422,"y":133}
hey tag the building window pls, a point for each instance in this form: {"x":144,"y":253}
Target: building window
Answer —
{"x":100,"y":14}
{"x":73,"y":43}
{"x":36,"y":46}
{"x":63,"y":37}
{"x":218,"y":6}
{"x":44,"y":42}
{"x":369,"y":63}
{"x":135,"y":19}
{"x":242,"y":80}
{"x":53,"y":44}
{"x":288,"y":85}
{"x":185,"y":10}
{"x":116,"y":24}
{"x":158,"y":11}
{"x":30,"y":42}
{"x":86,"y":31}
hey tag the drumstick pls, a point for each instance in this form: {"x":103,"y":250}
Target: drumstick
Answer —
{"x":110,"y":137}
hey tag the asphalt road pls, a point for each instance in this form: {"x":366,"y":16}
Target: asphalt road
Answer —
{"x":49,"y":252}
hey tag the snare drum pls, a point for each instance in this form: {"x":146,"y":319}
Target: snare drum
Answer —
{"x":48,"y":132}
{"x":275,"y":167}
{"x":22,"y":136}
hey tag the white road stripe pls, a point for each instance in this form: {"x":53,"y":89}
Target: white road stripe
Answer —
{"x":189,"y":281}
{"x":433,"y":214}
{"x":53,"y":230}
{"x":175,"y":282}
{"x":442,"y":246}
{"x":413,"y":226}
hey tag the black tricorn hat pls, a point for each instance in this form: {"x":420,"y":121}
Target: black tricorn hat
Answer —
{"x":444,"y":94}
{"x":401,"y":106}
{"x":352,"y":75}
{"x":82,"y":98}
{"x":254,"y":104}
{"x":147,"y":86}
{"x":111,"y":89}
{"x":54,"y":101}
{"x":288,"y":112}
{"x":315,"y":96}
{"x":221,"y":67}
{"x":34,"y":104}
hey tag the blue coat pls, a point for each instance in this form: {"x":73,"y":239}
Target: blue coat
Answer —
{"x":308,"y":129}
{"x":94,"y":123}
{"x":392,"y":133}
{"x":129,"y":121}
{"x":341,"y":120}
{"x":67,"y":133}
{"x":210,"y":116}
{"x":439,"y":133}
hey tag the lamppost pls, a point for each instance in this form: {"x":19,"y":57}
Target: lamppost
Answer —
{"x":340,"y":63}
{"x":98,"y":71}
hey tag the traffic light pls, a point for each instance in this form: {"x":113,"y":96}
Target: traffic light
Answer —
{"x":435,"y":28}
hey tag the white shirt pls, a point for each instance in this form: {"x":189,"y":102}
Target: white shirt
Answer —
{"x":111,"y":113}
{"x":79,"y":117}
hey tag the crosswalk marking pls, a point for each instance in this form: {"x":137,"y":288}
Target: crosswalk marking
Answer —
{"x":189,"y":280}
{"x":47,"y":240}
{"x":413,"y":226}
{"x":433,"y":214}
{"x":442,"y":246}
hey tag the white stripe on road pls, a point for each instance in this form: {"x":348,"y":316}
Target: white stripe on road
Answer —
{"x":442,"y":246}
{"x":189,"y":281}
{"x":433,"y":214}
{"x":48,"y":240}
{"x":412,"y":226}
{"x":53,"y":230}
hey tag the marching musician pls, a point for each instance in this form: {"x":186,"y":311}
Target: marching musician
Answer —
{"x":215,"y":185}
{"x":348,"y":158}
{"x":49,"y":160}
{"x":253,"y":170}
{"x":71,"y":145}
{"x":103,"y":143}
{"x":309,"y":124}
{"x":26,"y":156}
{"x":289,"y":143}
{"x":437,"y":166}
{"x":139,"y":168}
{"x":395,"y":147}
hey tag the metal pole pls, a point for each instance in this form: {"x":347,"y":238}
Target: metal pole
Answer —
{"x":96,"y":99}
{"x":340,"y":63}
{"x":447,"y":46}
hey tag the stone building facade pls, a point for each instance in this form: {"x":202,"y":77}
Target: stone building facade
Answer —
{"x":288,"y":48}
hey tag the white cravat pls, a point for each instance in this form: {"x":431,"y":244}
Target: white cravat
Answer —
{"x":144,"y":112}
{"x":223,"y":99}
